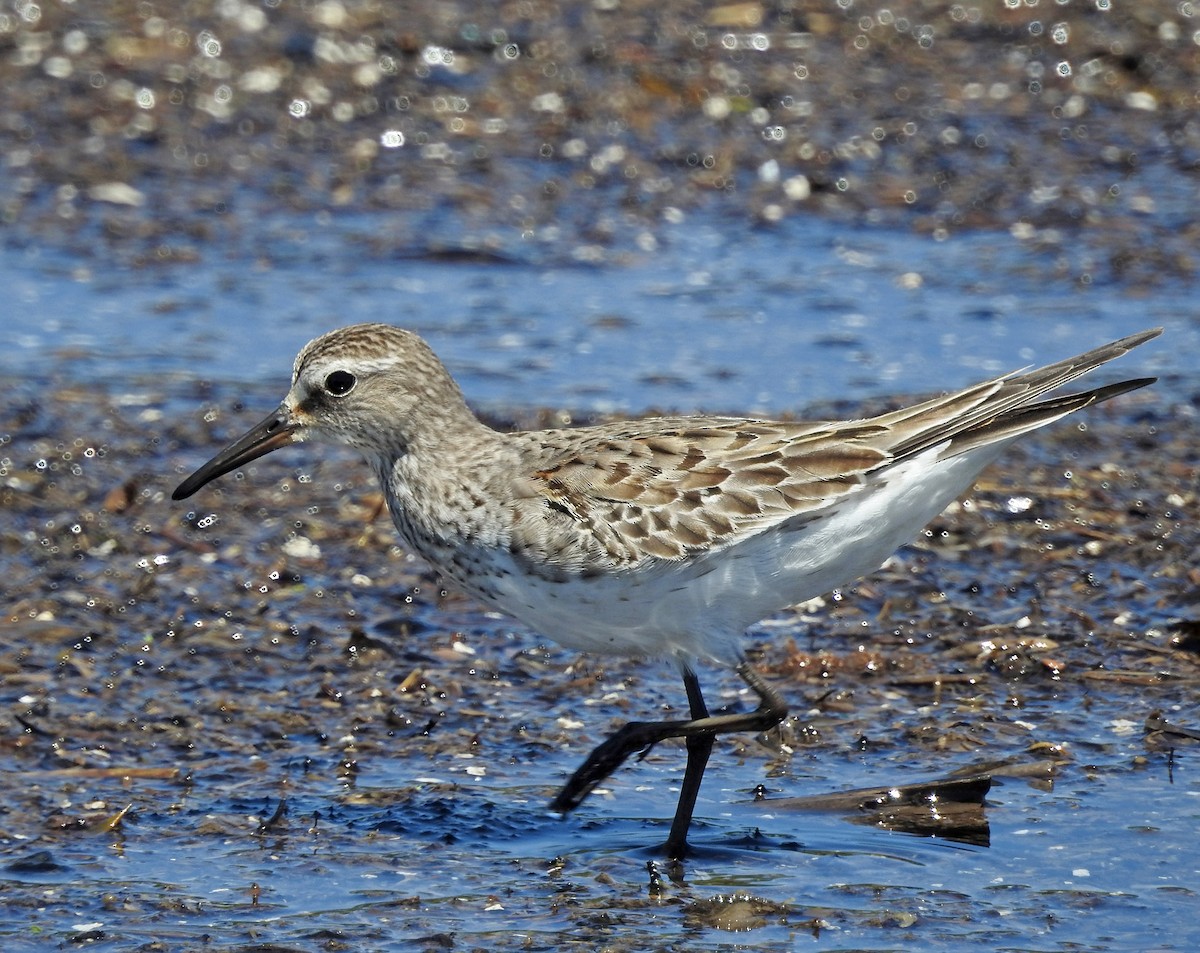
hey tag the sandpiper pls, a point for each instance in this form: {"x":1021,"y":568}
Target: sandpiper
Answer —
{"x":666,"y":536}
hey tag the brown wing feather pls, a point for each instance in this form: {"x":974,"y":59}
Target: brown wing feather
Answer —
{"x":671,"y":487}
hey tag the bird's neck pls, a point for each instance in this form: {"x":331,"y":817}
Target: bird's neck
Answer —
{"x":439,"y":486}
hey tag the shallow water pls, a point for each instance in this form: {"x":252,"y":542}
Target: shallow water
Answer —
{"x":721,"y":319}
{"x":250,"y":721}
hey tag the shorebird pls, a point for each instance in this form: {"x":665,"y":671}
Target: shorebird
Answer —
{"x":666,"y":536}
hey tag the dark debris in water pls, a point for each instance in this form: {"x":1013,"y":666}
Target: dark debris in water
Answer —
{"x":1163,"y":734}
{"x":951,"y":808}
{"x":174,"y":675}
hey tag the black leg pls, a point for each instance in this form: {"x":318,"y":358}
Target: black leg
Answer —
{"x":699,"y":747}
{"x":700,"y":731}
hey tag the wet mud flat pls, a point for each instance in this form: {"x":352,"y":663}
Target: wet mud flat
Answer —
{"x":251,"y":721}
{"x":572,"y":131}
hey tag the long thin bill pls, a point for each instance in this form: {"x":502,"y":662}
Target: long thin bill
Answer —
{"x":270,"y":434}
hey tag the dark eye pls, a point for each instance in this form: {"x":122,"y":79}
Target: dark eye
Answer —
{"x":340,"y":383}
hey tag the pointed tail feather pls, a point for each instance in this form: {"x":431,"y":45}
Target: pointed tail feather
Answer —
{"x":1029,"y":417}
{"x":995,"y":408}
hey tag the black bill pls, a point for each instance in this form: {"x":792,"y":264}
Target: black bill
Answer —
{"x":270,"y":434}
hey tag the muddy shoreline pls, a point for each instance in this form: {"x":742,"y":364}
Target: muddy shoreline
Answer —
{"x":252,"y":720}
{"x":571,"y":132}
{"x":265,"y":661}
